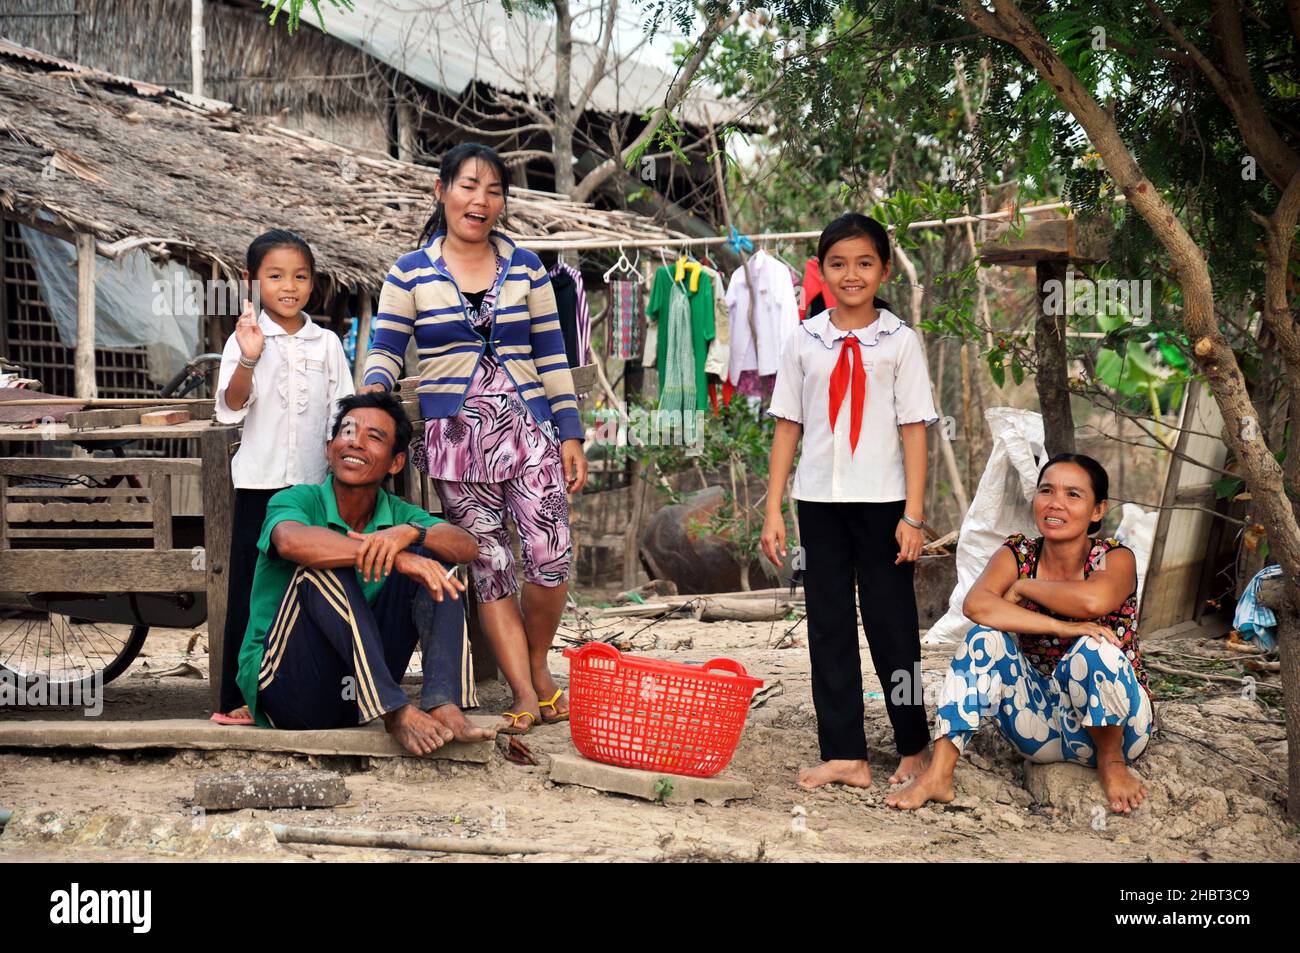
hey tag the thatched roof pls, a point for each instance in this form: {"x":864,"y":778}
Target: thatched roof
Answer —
{"x":129,"y":161}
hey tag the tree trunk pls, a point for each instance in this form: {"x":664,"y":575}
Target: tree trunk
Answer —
{"x":1053,"y":373}
{"x":562,"y":133}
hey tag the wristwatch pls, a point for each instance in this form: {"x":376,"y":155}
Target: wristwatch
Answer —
{"x":918,"y":524}
{"x":422,"y":530}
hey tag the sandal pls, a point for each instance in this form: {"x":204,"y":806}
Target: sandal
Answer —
{"x":559,"y":715}
{"x":515,"y":717}
{"x":223,"y":719}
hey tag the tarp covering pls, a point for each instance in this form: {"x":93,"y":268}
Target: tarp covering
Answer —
{"x":135,"y":303}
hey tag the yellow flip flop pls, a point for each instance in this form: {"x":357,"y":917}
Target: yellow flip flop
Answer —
{"x":515,"y":717}
{"x":559,"y":715}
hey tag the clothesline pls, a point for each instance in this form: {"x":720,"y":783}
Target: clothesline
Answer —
{"x":542,"y":244}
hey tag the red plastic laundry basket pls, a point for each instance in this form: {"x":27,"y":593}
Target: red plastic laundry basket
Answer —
{"x":659,"y":716}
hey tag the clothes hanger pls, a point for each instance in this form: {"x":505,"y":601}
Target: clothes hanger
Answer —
{"x":624,"y":265}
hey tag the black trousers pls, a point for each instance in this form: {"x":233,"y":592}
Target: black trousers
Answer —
{"x":333,"y":660}
{"x":846,"y":544}
{"x":250,"y":513}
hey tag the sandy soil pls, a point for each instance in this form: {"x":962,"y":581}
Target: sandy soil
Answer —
{"x":1215,"y":773}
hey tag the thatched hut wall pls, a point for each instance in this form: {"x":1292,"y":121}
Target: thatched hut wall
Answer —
{"x":309,"y":81}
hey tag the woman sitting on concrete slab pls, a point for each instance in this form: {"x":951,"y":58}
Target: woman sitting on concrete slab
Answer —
{"x":347,"y":581}
{"x":1054,"y":656}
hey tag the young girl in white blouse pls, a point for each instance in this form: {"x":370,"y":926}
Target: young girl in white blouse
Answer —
{"x":853,"y":384}
{"x":281,"y":374}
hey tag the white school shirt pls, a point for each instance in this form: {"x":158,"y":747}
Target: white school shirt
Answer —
{"x":296,"y":386}
{"x":898,"y":392}
{"x":758,"y":337}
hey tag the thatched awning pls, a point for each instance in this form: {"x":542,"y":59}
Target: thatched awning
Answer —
{"x":139,"y":165}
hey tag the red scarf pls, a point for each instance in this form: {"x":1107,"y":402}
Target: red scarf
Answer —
{"x":840,"y":383}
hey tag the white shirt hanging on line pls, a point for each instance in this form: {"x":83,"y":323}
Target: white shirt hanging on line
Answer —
{"x":757,"y":338}
{"x":297,"y":384}
{"x":898,"y":392}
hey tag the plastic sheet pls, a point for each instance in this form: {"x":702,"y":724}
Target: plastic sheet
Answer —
{"x":135,"y":303}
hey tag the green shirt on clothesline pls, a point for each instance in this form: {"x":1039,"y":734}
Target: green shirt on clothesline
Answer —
{"x":702,"y":327}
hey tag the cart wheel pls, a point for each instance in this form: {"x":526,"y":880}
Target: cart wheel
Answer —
{"x":64,"y":650}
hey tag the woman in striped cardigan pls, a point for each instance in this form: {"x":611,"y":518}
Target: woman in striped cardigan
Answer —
{"x":503,"y":432}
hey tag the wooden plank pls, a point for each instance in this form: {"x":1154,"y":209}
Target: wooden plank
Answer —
{"x":117,"y":466}
{"x":363,"y":741}
{"x":101,"y":570}
{"x":84,"y":361}
{"x":161,"y":486}
{"x":62,"y":432}
{"x":79,"y":512}
{"x":81,"y":532}
{"x":89,"y":492}
{"x":112,"y":416}
{"x":366,"y":309}
{"x":218,"y":446}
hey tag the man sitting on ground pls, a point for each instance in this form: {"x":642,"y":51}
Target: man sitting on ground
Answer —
{"x":347,"y":580}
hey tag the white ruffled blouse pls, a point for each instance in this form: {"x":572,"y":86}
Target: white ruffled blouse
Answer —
{"x":287,"y":419}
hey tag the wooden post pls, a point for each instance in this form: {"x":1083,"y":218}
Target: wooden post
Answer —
{"x":633,"y":379}
{"x":84,"y":362}
{"x":1053,"y":370}
{"x":216,"y":448}
{"x":196,"y":47}
{"x":160,"y":492}
{"x":365,"y":310}
{"x":4,"y":298}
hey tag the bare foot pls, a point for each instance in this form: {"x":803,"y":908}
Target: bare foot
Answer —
{"x":461,"y":728}
{"x":1124,"y":790}
{"x":856,"y":774}
{"x":930,"y":785}
{"x":911,"y":766}
{"x":416,"y":731}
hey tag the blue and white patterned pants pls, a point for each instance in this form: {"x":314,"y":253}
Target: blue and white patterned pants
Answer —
{"x":1045,"y":718}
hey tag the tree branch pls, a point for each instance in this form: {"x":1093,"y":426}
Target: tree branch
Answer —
{"x":676,"y":93}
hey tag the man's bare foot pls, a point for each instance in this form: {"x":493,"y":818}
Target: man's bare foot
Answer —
{"x":416,"y":731}
{"x":911,"y":766}
{"x":1124,"y":790}
{"x":856,"y":774}
{"x":461,"y":728}
{"x":930,"y":785}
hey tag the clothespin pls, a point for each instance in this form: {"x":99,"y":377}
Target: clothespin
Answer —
{"x":739,"y":243}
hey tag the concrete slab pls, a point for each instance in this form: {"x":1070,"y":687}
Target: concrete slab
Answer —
{"x":717,"y":791}
{"x":241,"y":789}
{"x":192,"y":733}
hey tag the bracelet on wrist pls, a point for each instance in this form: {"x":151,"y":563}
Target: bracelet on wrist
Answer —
{"x":249,"y":363}
{"x":913,"y":522}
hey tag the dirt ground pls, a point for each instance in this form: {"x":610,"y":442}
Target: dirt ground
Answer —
{"x":1216,"y":772}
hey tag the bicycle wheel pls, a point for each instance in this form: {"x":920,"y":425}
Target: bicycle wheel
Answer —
{"x":66,"y":652}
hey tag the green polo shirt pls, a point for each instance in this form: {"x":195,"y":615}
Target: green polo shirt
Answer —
{"x":311,"y":504}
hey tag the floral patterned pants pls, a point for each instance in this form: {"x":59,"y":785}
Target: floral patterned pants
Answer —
{"x":1045,"y":718}
{"x":538,"y":505}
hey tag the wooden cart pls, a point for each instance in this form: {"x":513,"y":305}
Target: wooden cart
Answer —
{"x":91,"y":554}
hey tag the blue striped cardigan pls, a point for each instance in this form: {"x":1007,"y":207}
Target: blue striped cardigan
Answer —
{"x":422,"y":299}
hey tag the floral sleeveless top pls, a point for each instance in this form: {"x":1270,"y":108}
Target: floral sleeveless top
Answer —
{"x":1044,"y":651}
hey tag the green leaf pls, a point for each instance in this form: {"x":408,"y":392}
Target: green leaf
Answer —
{"x":1227,"y":487}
